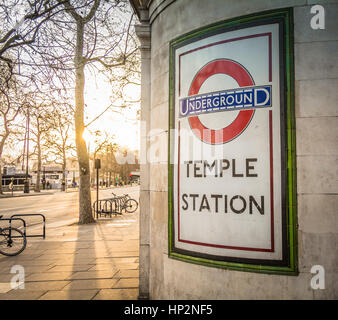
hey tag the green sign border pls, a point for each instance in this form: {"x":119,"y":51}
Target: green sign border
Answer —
{"x":290,"y":140}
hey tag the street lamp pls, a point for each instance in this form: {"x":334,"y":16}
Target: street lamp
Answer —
{"x":97,"y":167}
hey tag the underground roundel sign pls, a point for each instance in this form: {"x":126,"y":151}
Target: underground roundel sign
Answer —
{"x":229,"y":132}
{"x":228,"y":182}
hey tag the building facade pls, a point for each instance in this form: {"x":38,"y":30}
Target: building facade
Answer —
{"x":288,"y":50}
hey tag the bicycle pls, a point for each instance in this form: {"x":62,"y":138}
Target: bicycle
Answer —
{"x":12,"y":241}
{"x":127,"y":203}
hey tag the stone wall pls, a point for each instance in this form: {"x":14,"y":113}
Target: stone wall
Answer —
{"x":316,"y":103}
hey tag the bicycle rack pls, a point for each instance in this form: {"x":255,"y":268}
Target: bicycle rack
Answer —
{"x":17,"y":219}
{"x":110,"y":206}
{"x":105,"y":207}
{"x":43,"y":235}
{"x":119,"y":203}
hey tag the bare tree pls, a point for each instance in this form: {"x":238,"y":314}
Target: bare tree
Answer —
{"x":40,"y":115}
{"x":21,"y":21}
{"x":12,"y":100}
{"x":59,"y":140}
{"x":109,"y":165}
{"x":102,"y":143}
{"x":125,"y":168}
{"x":101,"y":43}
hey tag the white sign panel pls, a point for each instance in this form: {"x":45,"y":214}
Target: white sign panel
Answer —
{"x":227,"y":185}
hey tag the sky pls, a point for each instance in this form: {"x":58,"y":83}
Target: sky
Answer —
{"x":123,"y":124}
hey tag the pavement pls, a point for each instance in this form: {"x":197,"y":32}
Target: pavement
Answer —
{"x":98,"y":261}
{"x":9,"y":194}
{"x":31,"y":193}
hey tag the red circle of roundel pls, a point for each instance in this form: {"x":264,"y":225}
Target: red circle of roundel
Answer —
{"x":243,"y":78}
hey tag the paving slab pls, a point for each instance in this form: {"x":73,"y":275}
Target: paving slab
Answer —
{"x":107,"y":260}
{"x":28,"y":269}
{"x":48,"y":276}
{"x":69,"y":295}
{"x":117,"y":294}
{"x":74,"y":261}
{"x":126,"y":260}
{"x":102,"y":267}
{"x":59,"y":256}
{"x":127,"y":265}
{"x":127,"y":283}
{"x":93,"y":274}
{"x":6,"y":277}
{"x":45,"y":285}
{"x":113,"y":259}
{"x":21,"y":295}
{"x":128,"y":274}
{"x":25,"y":256}
{"x":91,"y":284}
{"x":71,"y":268}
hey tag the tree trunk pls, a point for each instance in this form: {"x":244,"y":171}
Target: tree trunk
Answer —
{"x":64,"y":162}
{"x":1,"y":192}
{"x":85,"y":208}
{"x":38,"y":177}
{"x":2,"y":144}
{"x":38,"y":172}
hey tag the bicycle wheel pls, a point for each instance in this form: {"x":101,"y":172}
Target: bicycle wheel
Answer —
{"x":12,"y":241}
{"x":131,"y":205}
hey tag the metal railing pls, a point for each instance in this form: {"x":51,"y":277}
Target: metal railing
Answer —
{"x":15,"y":217}
{"x":105,"y":207}
{"x":109,"y":206}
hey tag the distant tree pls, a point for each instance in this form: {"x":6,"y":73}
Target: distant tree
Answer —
{"x":59,"y":141}
{"x":104,"y":147}
{"x":40,"y":115}
{"x":12,"y":102}
{"x":110,"y":166}
{"x":126,"y":168}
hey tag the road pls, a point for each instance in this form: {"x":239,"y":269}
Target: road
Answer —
{"x":58,"y":207}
